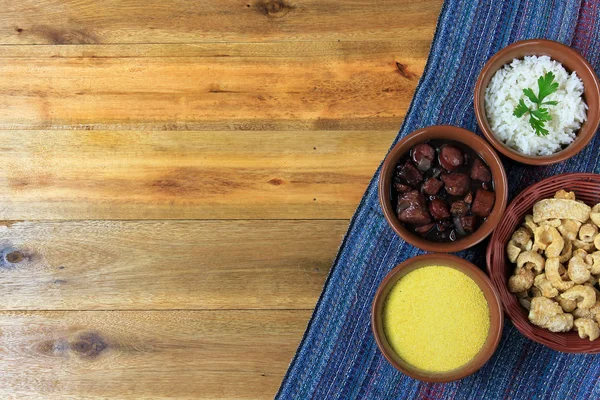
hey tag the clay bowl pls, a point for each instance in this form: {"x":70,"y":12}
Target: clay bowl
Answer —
{"x":572,"y":61}
{"x":587,"y":188}
{"x":480,"y":278}
{"x":481,"y":147}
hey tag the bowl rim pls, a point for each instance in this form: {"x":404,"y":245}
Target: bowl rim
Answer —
{"x":489,"y":291}
{"x":501,"y":288}
{"x":464,"y":136}
{"x":585,"y":134}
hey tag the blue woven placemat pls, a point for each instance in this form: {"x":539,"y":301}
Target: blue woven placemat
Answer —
{"x":338,"y":357}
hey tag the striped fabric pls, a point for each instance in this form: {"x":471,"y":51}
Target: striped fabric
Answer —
{"x":338,"y":357}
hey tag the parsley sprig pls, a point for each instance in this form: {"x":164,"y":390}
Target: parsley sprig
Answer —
{"x":538,"y":116}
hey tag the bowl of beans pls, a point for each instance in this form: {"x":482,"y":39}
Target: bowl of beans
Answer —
{"x":443,"y":189}
{"x":437,"y":318}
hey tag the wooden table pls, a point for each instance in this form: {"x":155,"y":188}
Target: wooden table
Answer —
{"x":176,"y":179}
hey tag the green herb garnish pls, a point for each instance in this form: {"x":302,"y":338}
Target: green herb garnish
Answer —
{"x":539,"y":115}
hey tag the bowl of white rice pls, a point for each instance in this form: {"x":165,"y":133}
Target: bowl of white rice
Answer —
{"x":537,"y":102}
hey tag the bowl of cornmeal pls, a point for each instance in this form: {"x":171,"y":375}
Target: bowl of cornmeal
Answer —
{"x":437,"y":318}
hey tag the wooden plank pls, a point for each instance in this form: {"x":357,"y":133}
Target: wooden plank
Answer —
{"x":143,"y":355}
{"x":193,"y":175}
{"x":351,"y":49}
{"x":142,"y":265}
{"x":220,"y":87}
{"x":176,"y":21}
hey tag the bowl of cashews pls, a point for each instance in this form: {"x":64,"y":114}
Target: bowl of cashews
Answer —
{"x":544,"y":260}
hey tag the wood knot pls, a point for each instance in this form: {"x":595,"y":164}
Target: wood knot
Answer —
{"x":14,"y":257}
{"x":403,"y":70}
{"x":276,"y":181}
{"x":88,"y":345}
{"x":57,"y":347}
{"x":274,"y":8}
{"x":11,"y":256}
{"x":64,"y":35}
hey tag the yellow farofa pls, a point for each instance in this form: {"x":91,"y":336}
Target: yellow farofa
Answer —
{"x":436,"y":318}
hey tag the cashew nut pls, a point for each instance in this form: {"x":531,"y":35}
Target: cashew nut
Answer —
{"x":586,"y":328}
{"x":580,"y":244}
{"x":521,"y":280}
{"x":595,"y":311}
{"x":555,"y":223}
{"x":580,"y":253}
{"x":578,"y":270}
{"x":520,"y":241}
{"x":553,"y":275}
{"x":584,"y":295}
{"x":595,"y":290}
{"x":529,"y":224}
{"x":597,"y":241}
{"x":548,"y":314}
{"x":558,"y":232}
{"x":560,"y":208}
{"x":533,"y":257}
{"x":594,"y":260}
{"x":582,"y":313}
{"x":595,"y":214}
{"x":542,"y":283}
{"x":548,"y":239}
{"x":564,"y":274}
{"x":567,"y":251}
{"x":521,"y":237}
{"x":560,"y":323}
{"x":566,"y":304}
{"x":587,"y":232}
{"x":535,"y":292}
{"x":569,"y":228}
{"x":512,"y":251}
{"x":563,"y":194}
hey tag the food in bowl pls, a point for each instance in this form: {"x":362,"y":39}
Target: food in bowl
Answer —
{"x":442,"y":190}
{"x":436,"y":318}
{"x":557,"y":257}
{"x":534,"y":106}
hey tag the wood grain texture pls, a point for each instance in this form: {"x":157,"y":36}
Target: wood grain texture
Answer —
{"x":211,"y":87}
{"x":186,"y":175}
{"x":146,"y":355}
{"x":175,"y":21}
{"x":236,"y":51}
{"x":177,"y":177}
{"x":108,"y":265}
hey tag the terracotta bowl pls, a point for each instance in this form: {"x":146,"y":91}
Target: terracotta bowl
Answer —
{"x":496,"y":316}
{"x":572,"y":61}
{"x":587,"y":188}
{"x":481,"y":147}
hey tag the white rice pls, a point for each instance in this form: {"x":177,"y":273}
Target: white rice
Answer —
{"x":506,"y":88}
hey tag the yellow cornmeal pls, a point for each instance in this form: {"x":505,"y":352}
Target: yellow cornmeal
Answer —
{"x":436,"y":318}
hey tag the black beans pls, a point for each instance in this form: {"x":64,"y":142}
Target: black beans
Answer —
{"x":442,"y":190}
{"x":432,"y":186}
{"x":410,"y":174}
{"x":456,"y":183}
{"x":451,"y":157}
{"x":480,"y":171}
{"x":459,"y":208}
{"x":483,"y":203}
{"x":438,"y":209}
